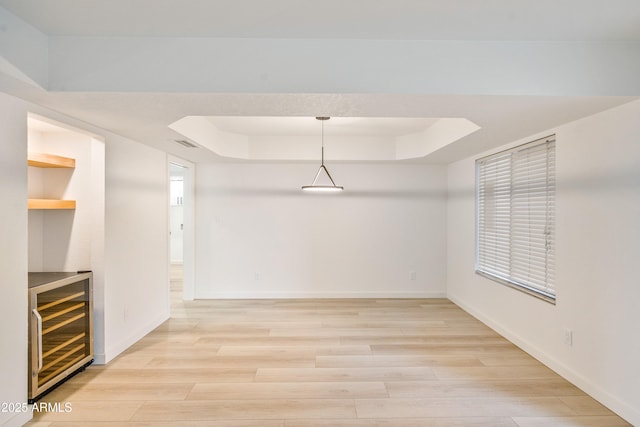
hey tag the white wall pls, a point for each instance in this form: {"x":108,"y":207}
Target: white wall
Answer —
{"x":259,"y":235}
{"x":597,"y":268}
{"x":136,"y":296}
{"x":13,"y":257}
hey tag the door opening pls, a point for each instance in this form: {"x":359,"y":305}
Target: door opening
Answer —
{"x":176,"y":230}
{"x":181,"y":231}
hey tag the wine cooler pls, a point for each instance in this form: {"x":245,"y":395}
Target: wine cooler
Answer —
{"x":60,"y":328}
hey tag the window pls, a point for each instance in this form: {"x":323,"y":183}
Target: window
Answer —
{"x":515,"y":201}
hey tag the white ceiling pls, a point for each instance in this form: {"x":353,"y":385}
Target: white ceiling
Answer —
{"x":505,"y":109}
{"x":361,"y":19}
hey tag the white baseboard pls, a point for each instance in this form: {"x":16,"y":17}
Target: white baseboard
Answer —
{"x":115,"y":350}
{"x":316,"y":295}
{"x":18,"y":419}
{"x":99,"y":359}
{"x":623,"y":409}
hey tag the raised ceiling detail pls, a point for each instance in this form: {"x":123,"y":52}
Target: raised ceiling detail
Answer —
{"x":513,"y":69}
{"x":346,"y":138}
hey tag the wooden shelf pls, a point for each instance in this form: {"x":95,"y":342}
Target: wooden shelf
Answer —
{"x":43,"y":160}
{"x":51,"y":204}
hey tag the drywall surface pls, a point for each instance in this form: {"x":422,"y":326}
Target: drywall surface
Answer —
{"x":136,"y":295}
{"x":597,"y":269}
{"x":13,"y":253}
{"x":260,"y":236}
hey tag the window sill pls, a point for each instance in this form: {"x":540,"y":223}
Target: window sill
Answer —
{"x":519,"y":287}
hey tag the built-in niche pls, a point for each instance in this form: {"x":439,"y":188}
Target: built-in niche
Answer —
{"x":66,"y":197}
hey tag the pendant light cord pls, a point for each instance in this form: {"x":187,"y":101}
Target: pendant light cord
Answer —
{"x":322,"y":141}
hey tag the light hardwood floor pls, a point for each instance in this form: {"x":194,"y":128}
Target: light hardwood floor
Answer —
{"x":311,"y":363}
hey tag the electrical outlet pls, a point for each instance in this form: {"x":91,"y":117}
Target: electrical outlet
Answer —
{"x":125,"y":314}
{"x":568,"y":337}
{"x":412,"y":275}
{"x":256,"y":276}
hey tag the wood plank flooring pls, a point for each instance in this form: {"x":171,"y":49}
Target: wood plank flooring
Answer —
{"x":316,"y":363}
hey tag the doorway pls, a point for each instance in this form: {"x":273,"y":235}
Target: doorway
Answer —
{"x":176,"y":230}
{"x":181,"y":234}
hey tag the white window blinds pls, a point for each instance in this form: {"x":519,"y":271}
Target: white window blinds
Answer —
{"x":516,"y":215}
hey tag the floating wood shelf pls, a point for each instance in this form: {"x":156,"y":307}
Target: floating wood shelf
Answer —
{"x":43,"y":160}
{"x":51,"y":204}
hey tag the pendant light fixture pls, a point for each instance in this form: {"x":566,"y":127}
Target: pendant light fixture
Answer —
{"x":333,"y":188}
